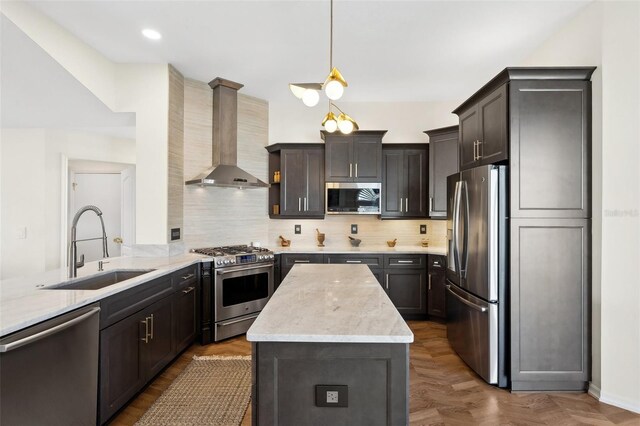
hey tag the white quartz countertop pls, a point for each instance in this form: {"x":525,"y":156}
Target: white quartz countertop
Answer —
{"x":330,"y":303}
{"x":22,"y":304}
{"x":363,"y":249}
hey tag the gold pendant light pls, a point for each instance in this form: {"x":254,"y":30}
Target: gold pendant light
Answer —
{"x":333,"y":87}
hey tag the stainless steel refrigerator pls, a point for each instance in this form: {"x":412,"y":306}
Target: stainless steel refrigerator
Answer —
{"x":477,"y":270}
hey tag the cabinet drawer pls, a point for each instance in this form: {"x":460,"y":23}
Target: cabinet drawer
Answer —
{"x":185,"y":277}
{"x":126,"y":303}
{"x":372,"y":260}
{"x":405,"y":261}
{"x":288,"y":260}
{"x":435,"y":262}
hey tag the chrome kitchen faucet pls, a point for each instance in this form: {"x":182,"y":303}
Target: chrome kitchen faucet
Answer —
{"x":74,"y":264}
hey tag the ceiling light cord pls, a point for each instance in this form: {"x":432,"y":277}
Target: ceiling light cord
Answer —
{"x":331,"y":38}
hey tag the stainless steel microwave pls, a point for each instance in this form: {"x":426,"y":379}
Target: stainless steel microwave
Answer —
{"x":352,"y":198}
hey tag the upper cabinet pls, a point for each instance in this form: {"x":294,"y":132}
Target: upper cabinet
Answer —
{"x":404,"y":180}
{"x":297,"y":181}
{"x":443,"y":162}
{"x":483,"y":130}
{"x":356,"y":157}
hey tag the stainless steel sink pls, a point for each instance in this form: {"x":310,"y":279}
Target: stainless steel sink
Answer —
{"x":100,"y":281}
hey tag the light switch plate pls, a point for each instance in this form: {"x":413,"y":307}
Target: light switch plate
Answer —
{"x":297,"y":229}
{"x":354,"y":228}
{"x":423,"y":228}
{"x":332,"y":396}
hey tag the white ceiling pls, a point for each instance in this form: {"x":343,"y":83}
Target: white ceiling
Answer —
{"x":39,"y":93}
{"x":387,"y":50}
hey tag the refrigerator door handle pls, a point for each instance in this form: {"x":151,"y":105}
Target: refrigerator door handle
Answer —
{"x":465,"y":226}
{"x":465,"y":301}
{"x":456,"y":255}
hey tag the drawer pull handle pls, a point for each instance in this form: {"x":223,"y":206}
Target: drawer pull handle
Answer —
{"x":188,"y":290}
{"x":186,"y":277}
{"x":300,"y":261}
{"x":224,"y":324}
{"x":354,"y":261}
{"x":405,"y":261}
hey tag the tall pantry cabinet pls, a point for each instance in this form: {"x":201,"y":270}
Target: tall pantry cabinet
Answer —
{"x":547,"y":120}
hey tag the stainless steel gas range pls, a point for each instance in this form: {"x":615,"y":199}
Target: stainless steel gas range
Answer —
{"x":236,"y":285}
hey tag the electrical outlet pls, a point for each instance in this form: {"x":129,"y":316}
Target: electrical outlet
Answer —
{"x":332,"y":395}
{"x":175,"y":234}
{"x":297,"y":229}
{"x":354,"y":229}
{"x":423,"y":228}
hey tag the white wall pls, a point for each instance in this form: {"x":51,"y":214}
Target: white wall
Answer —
{"x":31,"y":176}
{"x":292,"y":121}
{"x":606,"y":34}
{"x":139,"y":88}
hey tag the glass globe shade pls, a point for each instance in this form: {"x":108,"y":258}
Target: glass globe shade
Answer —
{"x":331,"y":126}
{"x":334,"y":90}
{"x":310,"y":97}
{"x":345,"y":126}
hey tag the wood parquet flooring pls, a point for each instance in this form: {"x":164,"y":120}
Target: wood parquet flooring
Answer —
{"x":443,"y":390}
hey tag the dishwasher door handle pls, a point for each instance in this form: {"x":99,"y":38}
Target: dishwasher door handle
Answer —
{"x":48,"y":332}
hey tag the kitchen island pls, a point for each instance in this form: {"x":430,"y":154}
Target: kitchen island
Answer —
{"x":330,"y":348}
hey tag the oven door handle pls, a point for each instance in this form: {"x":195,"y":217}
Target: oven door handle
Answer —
{"x":223,"y":272}
{"x":224,"y":324}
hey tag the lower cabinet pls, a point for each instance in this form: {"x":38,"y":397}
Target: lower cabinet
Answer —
{"x":407,"y":290}
{"x":436,"y":290}
{"x":288,"y":261}
{"x":158,"y":326}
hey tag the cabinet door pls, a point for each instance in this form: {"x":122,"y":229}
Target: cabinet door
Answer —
{"x":185,"y":304}
{"x":416,"y":175}
{"x":121,"y":372}
{"x":493,"y":146}
{"x":367,"y":158}
{"x":160,"y":349}
{"x":550,"y":309}
{"x":550,"y":149}
{"x":392,"y":182}
{"x":469,"y":133}
{"x":289,"y":260}
{"x":407,"y":290}
{"x":291,"y":185}
{"x":313,"y":192}
{"x":338,"y":158}
{"x":443,"y":162}
{"x":436,"y":294}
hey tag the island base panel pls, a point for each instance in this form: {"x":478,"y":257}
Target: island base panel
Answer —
{"x":285,"y":376}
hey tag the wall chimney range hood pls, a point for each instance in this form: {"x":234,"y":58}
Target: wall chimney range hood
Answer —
{"x":225,"y":172}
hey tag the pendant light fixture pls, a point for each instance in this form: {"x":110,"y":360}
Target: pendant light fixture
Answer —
{"x":333,"y":87}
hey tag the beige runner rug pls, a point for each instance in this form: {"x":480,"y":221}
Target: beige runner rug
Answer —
{"x":212,"y":390}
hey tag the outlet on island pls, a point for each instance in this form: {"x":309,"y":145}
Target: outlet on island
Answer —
{"x":332,"y":396}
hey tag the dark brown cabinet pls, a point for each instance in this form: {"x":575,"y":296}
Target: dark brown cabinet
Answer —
{"x":353,"y":158}
{"x":288,"y":261}
{"x":443,"y":162}
{"x":436,"y":290}
{"x":299,"y":193}
{"x":404,"y":181}
{"x":483,"y":130}
{"x":405,"y":281}
{"x":375,"y":262}
{"x":132,"y":351}
{"x":142,"y":331}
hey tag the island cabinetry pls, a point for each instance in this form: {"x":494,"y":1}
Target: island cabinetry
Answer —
{"x":404,"y":180}
{"x":443,"y":162}
{"x":356,"y":157}
{"x":405,"y":281}
{"x":297,"y":181}
{"x":375,"y":262}
{"x":287,"y":261}
{"x":436,"y":290}
{"x":483,"y":130}
{"x":142,"y":331}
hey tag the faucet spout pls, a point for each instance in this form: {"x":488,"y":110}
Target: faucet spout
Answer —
{"x":74,"y":264}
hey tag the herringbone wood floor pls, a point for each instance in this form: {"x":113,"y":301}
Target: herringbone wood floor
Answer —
{"x":443,"y":390}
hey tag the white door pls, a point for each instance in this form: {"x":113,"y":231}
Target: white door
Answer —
{"x":102,"y":190}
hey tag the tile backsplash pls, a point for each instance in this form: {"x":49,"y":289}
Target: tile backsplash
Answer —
{"x":371,"y":230}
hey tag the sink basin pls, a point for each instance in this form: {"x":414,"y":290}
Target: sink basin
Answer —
{"x":100,"y":281}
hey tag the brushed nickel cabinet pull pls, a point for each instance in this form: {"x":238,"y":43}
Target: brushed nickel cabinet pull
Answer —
{"x":186,"y":277}
{"x":387,"y":282}
{"x":429,"y":282}
{"x":188,"y":290}
{"x":356,"y":169}
{"x":350,"y":167}
{"x":151,"y":326}
{"x":146,"y":330}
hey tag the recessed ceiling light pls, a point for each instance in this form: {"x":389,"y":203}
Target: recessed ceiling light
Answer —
{"x":151,"y":34}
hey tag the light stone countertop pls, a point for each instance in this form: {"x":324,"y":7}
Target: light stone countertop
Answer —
{"x":363,"y":249}
{"x":330,"y":303}
{"x":22,"y":304}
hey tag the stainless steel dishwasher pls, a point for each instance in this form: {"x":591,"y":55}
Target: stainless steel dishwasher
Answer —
{"x":49,"y":372}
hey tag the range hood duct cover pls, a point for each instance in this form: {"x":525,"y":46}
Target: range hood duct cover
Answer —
{"x":225,"y":172}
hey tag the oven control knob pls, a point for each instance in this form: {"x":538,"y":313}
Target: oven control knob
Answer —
{"x":270,"y":256}
{"x":219,"y":262}
{"x":233,"y":261}
{"x":260,"y":257}
{"x":226,"y":261}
